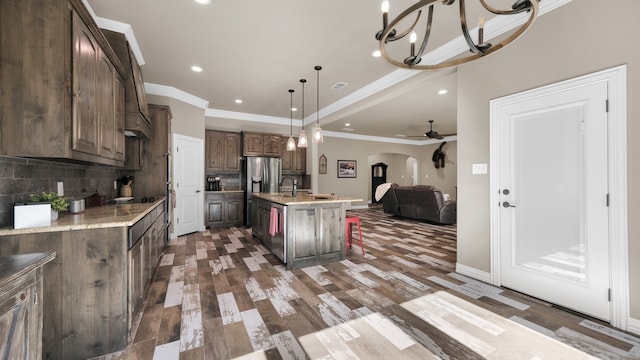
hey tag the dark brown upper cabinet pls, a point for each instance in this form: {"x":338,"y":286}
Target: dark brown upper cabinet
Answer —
{"x":137,"y":119}
{"x":60,"y":84}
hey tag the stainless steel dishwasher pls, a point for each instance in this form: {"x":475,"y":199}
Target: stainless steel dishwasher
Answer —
{"x":278,"y":241}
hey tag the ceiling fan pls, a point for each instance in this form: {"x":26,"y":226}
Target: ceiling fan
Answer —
{"x":432,"y":134}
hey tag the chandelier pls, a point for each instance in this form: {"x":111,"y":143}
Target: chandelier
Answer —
{"x":477,"y":49}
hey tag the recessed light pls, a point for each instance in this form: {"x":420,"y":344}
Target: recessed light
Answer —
{"x":294,"y":109}
{"x":238,"y":101}
{"x":196,"y":68}
{"x":376,"y":53}
{"x":347,"y":124}
{"x":203,"y":2}
{"x":442,"y":92}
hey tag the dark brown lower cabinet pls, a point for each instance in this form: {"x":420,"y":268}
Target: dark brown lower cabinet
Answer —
{"x":94,"y":286}
{"x":21,"y":299}
{"x":224,"y":209}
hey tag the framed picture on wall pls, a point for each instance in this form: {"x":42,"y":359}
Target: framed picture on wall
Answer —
{"x":347,"y":168}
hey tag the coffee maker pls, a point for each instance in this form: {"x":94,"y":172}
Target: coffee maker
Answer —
{"x":213,"y":183}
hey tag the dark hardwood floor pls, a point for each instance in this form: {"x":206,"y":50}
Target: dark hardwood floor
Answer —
{"x":222,"y":295}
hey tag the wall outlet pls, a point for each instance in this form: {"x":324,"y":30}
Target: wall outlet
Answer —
{"x":60,"y":188}
{"x":479,"y":168}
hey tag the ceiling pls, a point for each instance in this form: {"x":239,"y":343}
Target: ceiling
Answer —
{"x":258,"y":50}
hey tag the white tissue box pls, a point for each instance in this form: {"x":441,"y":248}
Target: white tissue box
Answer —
{"x":31,"y":215}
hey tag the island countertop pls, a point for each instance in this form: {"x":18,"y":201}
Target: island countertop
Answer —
{"x":116,"y":215}
{"x":302,"y":198}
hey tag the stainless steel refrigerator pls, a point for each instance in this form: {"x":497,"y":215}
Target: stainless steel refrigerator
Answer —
{"x":261,"y":174}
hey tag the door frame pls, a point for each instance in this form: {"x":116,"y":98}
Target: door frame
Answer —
{"x":199,"y":180}
{"x":616,"y":79}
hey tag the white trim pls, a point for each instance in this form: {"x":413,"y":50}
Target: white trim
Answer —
{"x":118,"y":27}
{"x":473,"y":273}
{"x":359,"y":206}
{"x":633,"y":326}
{"x":240,"y":116}
{"x":617,"y":159}
{"x":401,"y":140}
{"x":170,"y":91}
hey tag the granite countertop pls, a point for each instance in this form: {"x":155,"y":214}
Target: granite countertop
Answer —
{"x":106,"y":216}
{"x":287,"y":199}
{"x":224,"y":191}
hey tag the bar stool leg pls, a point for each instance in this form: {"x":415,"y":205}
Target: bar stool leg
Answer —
{"x":348,"y":236}
{"x":360,"y":232}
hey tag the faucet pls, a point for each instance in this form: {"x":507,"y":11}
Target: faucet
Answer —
{"x":294,"y":183}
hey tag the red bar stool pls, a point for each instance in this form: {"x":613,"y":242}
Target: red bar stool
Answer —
{"x":350,"y":220}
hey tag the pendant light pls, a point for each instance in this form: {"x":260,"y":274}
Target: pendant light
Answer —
{"x":302,"y":139}
{"x":291,"y":143}
{"x":317,"y":132}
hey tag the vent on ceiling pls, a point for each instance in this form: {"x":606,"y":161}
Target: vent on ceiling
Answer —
{"x":339,"y":85}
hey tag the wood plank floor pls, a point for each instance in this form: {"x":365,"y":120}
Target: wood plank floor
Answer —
{"x":222,"y":295}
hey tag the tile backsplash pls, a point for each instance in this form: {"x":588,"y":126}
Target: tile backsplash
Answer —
{"x":20,"y":177}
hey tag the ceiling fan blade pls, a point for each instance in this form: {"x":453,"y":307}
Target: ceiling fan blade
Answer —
{"x":445,"y":135}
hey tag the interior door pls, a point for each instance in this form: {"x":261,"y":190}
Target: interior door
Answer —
{"x":553,"y":217}
{"x":189,"y":182}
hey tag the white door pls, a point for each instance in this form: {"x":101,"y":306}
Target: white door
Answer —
{"x":188,"y":173}
{"x":553,"y":194}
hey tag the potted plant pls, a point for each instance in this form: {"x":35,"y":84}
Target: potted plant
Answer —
{"x":58,"y":203}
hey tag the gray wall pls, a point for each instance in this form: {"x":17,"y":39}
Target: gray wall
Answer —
{"x":349,"y":149}
{"x":579,"y":38}
{"x":187,"y":119}
{"x":400,"y":170}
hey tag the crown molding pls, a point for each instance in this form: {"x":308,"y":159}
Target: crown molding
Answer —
{"x":171,"y":92}
{"x":118,"y":27}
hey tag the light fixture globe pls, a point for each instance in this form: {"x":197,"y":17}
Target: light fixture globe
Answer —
{"x":302,"y":138}
{"x":317,"y":132}
{"x":291,"y":143}
{"x":317,"y":135}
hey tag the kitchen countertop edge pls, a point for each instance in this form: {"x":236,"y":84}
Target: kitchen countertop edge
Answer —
{"x":223,"y":191}
{"x":301,"y":199}
{"x":98,"y":217}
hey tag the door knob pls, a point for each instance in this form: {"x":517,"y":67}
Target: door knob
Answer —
{"x":197,"y":191}
{"x":506,"y":204}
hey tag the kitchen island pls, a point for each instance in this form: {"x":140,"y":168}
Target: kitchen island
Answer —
{"x":303,"y":230}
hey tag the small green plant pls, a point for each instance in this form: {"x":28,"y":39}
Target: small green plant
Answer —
{"x":58,"y":203}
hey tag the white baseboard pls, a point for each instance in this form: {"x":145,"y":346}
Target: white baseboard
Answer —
{"x":634,"y":326}
{"x":473,"y":273}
